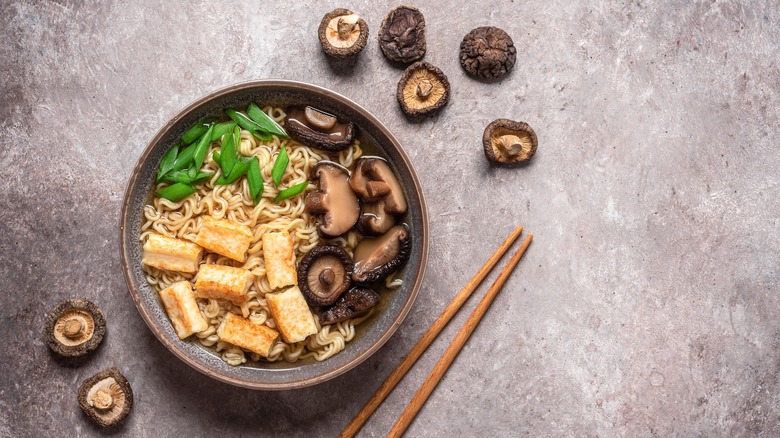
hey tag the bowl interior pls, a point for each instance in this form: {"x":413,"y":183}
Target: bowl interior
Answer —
{"x":371,"y":334}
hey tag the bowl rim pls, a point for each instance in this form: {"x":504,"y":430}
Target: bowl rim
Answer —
{"x":134,"y":292}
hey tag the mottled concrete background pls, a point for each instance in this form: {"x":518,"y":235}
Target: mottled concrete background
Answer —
{"x":647,"y":305}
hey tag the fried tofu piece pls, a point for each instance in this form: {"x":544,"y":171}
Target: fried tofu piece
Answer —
{"x":179,"y":303}
{"x":292,"y":314}
{"x":279,"y":256}
{"x":243,"y":333}
{"x":223,"y":282}
{"x":224,"y":238}
{"x":171,"y":254}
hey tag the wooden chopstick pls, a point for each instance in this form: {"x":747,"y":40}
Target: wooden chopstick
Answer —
{"x":392,"y":380}
{"x":449,"y":355}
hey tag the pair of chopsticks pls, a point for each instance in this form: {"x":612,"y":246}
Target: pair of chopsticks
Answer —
{"x":455,"y":346}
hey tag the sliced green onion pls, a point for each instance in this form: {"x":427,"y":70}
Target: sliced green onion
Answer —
{"x":255,"y":180}
{"x":197,"y":130}
{"x":266,"y":123}
{"x":167,"y":162}
{"x":238,"y":170}
{"x":202,"y":148}
{"x":280,"y":165}
{"x":201,"y":177}
{"x":192,"y":171}
{"x":291,"y":191}
{"x":176,"y":192}
{"x":185,"y":158}
{"x":237,"y":138}
{"x":221,"y":129}
{"x":177,"y":176}
{"x":217,"y":157}
{"x":262,"y":136}
{"x":228,"y":157}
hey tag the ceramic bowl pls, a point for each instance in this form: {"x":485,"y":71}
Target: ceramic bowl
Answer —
{"x":370,"y":335}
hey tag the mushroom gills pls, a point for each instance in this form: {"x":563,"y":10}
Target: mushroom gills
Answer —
{"x":324,"y":274}
{"x":507,"y":141}
{"x":354,"y":302}
{"x":318,"y":129}
{"x":423,"y":89}
{"x":106,"y":398}
{"x":334,"y":200}
{"x":74,"y":328}
{"x":376,"y":258}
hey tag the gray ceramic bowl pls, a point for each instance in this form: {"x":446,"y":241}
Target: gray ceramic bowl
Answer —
{"x":371,"y":335}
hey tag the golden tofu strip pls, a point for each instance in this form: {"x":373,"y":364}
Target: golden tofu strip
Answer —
{"x":223,"y":282}
{"x":279,"y":256}
{"x":224,"y":238}
{"x":243,"y":333}
{"x":179,"y":303}
{"x":292,"y":314}
{"x":171,"y":254}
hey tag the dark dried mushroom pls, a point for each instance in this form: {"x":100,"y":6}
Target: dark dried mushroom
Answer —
{"x":324,"y":274}
{"x":342,"y":33}
{"x":402,"y":35}
{"x":319,"y":129}
{"x":334,"y":201}
{"x":506,"y":141}
{"x":423,"y":89}
{"x":106,"y":397}
{"x":487,"y":52}
{"x":377,"y":258}
{"x":75,"y":328}
{"x":354,"y":302}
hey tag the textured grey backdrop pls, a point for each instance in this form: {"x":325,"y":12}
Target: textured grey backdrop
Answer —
{"x":647,"y":305}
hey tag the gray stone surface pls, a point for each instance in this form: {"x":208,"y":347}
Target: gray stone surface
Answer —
{"x":647,"y":305}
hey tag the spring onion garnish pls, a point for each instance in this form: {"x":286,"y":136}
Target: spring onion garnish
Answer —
{"x":202,"y":148}
{"x":221,"y":129}
{"x":280,"y":165}
{"x":255,"y":180}
{"x":291,"y":191}
{"x":238,"y":170}
{"x":267,"y":124}
{"x":217,"y":157}
{"x":228,"y":155}
{"x":176,"y":192}
{"x":197,"y":130}
{"x":167,"y":162}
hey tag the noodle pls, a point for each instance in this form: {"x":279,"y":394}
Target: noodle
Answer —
{"x":183,"y":220}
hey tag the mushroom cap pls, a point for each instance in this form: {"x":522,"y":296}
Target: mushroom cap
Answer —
{"x":487,"y":52}
{"x":402,"y":35}
{"x":423,"y":89}
{"x":334,"y":201}
{"x":354,"y":302}
{"x":324,"y":274}
{"x":74,"y":328}
{"x":318,"y":129}
{"x":377,"y":258}
{"x":507,"y":142}
{"x":106,"y":397}
{"x":342,"y":33}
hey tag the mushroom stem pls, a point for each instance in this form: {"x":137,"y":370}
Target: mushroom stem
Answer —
{"x":345,"y":27}
{"x":327,"y":276}
{"x":102,"y":399}
{"x":424,"y":88}
{"x":73,"y":328}
{"x":511,"y":144}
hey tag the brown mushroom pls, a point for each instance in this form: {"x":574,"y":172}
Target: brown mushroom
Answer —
{"x":106,"y":397}
{"x":402,"y":35}
{"x":75,"y":328}
{"x":374,"y":219}
{"x":487,"y":52}
{"x":318,"y":129}
{"x":423,"y":89}
{"x":376,"y":258}
{"x":342,"y":33}
{"x":324,"y":274}
{"x":334,"y":202}
{"x":373,"y":180}
{"x":506,"y":141}
{"x":354,"y":302}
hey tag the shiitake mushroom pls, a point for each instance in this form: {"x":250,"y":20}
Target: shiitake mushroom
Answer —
{"x":487,"y":52}
{"x":342,"y":33}
{"x":377,"y":258}
{"x":402,"y":35}
{"x":319,"y":129}
{"x":74,"y":328}
{"x":106,"y":398}
{"x":324,"y":274}
{"x":508,"y":142}
{"x":422,"y":90}
{"x":354,"y":302}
